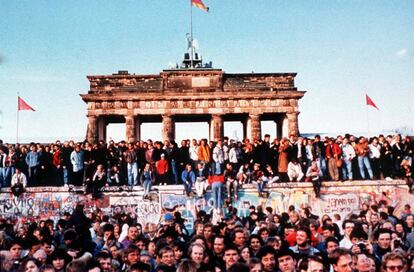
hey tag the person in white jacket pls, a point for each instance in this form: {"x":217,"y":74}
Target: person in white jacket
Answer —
{"x":19,"y":178}
{"x":235,"y":155}
{"x":348,"y":154}
{"x":375,"y":157}
{"x":218,"y":158}
{"x":295,"y":172}
{"x":18,"y":183}
{"x":193,"y":152}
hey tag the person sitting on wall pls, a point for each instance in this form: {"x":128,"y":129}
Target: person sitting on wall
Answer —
{"x":98,"y":181}
{"x":231,"y":180}
{"x":188,"y":178}
{"x":244,"y":174}
{"x":314,"y":174}
{"x":269,"y":175}
{"x":257,"y":178}
{"x":201,"y":175}
{"x":147,"y":179}
{"x":295,"y":171}
{"x":18,"y":183}
{"x":114,"y":176}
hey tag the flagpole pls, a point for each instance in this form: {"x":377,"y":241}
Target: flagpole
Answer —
{"x":191,"y":33}
{"x":366,"y":110}
{"x":17,"y":122}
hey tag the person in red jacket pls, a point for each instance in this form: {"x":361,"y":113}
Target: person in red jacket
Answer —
{"x":333,"y":154}
{"x":161,"y":168}
{"x":57,"y":165}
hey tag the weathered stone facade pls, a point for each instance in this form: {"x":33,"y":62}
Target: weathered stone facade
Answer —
{"x":192,"y":94}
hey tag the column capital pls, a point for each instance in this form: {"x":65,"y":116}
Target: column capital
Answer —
{"x":92,"y":116}
{"x":129,"y":116}
{"x":293,"y":113}
{"x":216,"y":116}
{"x":166,"y":115}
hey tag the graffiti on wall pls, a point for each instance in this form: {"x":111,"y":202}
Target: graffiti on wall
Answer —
{"x":144,"y":211}
{"x":342,"y":204}
{"x":38,"y":204}
{"x":189,"y":207}
{"x":340,"y":200}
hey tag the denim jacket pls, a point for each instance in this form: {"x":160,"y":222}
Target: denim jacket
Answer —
{"x":188,"y":177}
{"x":32,"y":159}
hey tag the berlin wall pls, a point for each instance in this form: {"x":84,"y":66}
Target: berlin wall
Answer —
{"x":340,"y":198}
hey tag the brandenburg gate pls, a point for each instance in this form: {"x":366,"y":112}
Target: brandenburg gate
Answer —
{"x":192,"y":95}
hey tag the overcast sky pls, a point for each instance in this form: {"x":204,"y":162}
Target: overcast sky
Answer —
{"x":340,"y":50}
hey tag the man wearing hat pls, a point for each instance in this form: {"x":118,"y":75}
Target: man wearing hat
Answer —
{"x":168,"y":219}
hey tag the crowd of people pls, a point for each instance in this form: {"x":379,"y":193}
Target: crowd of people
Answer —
{"x":297,"y":240}
{"x":223,"y":165}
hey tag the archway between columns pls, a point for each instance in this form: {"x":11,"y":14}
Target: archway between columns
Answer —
{"x":115,"y":132}
{"x":102,"y":123}
{"x":149,"y":127}
{"x":151,"y":130}
{"x":234,"y":130}
{"x":191,"y":130}
{"x":274,"y":124}
{"x":212,"y":127}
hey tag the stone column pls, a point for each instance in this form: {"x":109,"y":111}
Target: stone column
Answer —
{"x":216,"y":128}
{"x":130,"y":128}
{"x":168,"y":127}
{"x":293,"y":124}
{"x":101,"y":128}
{"x":254,"y":127}
{"x":91,"y":133}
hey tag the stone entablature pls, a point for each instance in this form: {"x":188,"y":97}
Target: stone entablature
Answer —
{"x":184,"y":80}
{"x":195,"y":92}
{"x":195,"y":105}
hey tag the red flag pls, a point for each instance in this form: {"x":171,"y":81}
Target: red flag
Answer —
{"x":199,"y":4}
{"x":370,"y":102}
{"x":22,"y":105}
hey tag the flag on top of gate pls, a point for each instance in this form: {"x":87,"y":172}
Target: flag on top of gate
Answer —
{"x":370,"y":102}
{"x":199,"y":4}
{"x":22,"y":105}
